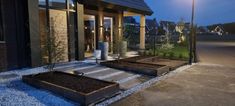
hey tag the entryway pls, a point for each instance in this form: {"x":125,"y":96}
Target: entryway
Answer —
{"x":91,"y":35}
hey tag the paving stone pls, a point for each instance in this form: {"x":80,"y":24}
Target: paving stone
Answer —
{"x":8,"y":76}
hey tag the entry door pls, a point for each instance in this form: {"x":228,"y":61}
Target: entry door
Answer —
{"x":90,"y":35}
{"x":108,"y":32}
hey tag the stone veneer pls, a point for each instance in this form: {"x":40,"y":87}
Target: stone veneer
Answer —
{"x":3,"y":57}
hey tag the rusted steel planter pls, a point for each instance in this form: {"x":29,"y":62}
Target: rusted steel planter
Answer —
{"x":135,"y":59}
{"x":142,"y":68}
{"x":80,"y":89}
{"x":172,"y":63}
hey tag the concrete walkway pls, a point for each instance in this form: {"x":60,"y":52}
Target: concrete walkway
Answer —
{"x":222,"y":53}
{"x":126,"y":80}
{"x":209,"y":83}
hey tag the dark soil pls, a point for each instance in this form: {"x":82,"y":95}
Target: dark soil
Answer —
{"x":172,"y":63}
{"x":133,"y":65}
{"x":74,"y":82}
{"x":135,"y":59}
{"x":168,"y":62}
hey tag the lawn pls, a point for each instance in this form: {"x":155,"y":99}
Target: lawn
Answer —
{"x":178,"y":52}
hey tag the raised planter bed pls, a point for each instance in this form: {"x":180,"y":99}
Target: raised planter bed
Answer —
{"x":142,"y":68}
{"x":172,"y":63}
{"x":78,"y":88}
{"x":135,"y":59}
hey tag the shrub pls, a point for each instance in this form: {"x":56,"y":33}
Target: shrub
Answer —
{"x":171,"y":55}
{"x":165,"y":54}
{"x":151,"y":52}
{"x":146,"y":53}
{"x":157,"y":54}
{"x":181,"y":56}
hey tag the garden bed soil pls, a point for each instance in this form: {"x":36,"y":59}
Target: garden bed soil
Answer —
{"x":142,"y":68}
{"x":173,"y":64}
{"x":135,"y":59}
{"x":78,"y":88}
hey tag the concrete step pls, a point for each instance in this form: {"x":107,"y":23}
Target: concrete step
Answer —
{"x":126,"y":80}
{"x":70,"y":66}
{"x":120,"y":77}
{"x":134,"y":82}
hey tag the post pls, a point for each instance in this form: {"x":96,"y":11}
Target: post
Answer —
{"x":48,"y":29}
{"x":120,"y":26}
{"x":80,"y":31}
{"x":33,"y":12}
{"x":68,"y":29}
{"x":101,"y":24}
{"x":192,"y":36}
{"x":118,"y":35}
{"x":142,"y":32}
{"x":195,"y":46}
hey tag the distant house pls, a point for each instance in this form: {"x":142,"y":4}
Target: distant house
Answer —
{"x":131,"y":31}
{"x":168,"y":25}
{"x":151,"y":27}
{"x":219,"y":30}
{"x":202,"y":30}
{"x":187,"y":28}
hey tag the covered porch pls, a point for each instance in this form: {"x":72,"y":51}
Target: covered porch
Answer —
{"x":99,"y":11}
{"x":81,"y":24}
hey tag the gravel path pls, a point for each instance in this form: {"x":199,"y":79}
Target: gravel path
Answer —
{"x":16,"y":93}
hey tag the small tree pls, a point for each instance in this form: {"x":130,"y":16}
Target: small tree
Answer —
{"x":167,"y":44}
{"x":179,"y":28}
{"x":54,"y":47}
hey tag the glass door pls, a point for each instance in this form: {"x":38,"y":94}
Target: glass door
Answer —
{"x":90,"y":36}
{"x":108,"y":32}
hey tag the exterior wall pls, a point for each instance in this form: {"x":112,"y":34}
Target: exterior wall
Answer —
{"x":58,"y":22}
{"x":33,"y":18}
{"x":80,"y":33}
{"x":42,"y":33}
{"x":3,"y":61}
{"x":16,"y":33}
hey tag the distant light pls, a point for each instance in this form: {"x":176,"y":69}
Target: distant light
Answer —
{"x":73,"y":5}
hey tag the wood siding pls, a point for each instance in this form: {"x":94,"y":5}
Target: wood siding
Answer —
{"x":3,"y":61}
{"x":16,"y":32}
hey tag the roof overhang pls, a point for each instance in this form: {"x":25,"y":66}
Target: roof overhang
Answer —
{"x":133,"y":6}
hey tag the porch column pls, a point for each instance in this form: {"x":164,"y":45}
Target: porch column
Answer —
{"x":118,"y":31}
{"x":142,"y":32}
{"x":101,"y":24}
{"x":120,"y":26}
{"x":80,"y":33}
{"x":33,"y":11}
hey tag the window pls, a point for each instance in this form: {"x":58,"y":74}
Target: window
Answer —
{"x":1,"y":25}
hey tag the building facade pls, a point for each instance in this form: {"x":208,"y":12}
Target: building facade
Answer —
{"x":77,"y":24}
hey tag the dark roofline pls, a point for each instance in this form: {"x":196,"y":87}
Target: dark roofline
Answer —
{"x":116,"y":6}
{"x":133,"y":6}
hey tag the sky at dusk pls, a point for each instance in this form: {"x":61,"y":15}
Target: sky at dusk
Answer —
{"x":207,"y":12}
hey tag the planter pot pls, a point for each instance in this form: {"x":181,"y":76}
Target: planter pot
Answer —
{"x":141,"y":52}
{"x":104,"y":47}
{"x":97,"y":54}
{"x":123,"y":48}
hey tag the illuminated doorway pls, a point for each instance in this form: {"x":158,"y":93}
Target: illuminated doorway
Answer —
{"x":90,"y":35}
{"x":108,"y":32}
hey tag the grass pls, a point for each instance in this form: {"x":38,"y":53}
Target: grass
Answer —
{"x":178,"y":52}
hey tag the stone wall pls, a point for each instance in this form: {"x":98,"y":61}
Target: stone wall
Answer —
{"x":3,"y":57}
{"x":58,"y":24}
